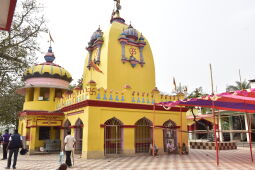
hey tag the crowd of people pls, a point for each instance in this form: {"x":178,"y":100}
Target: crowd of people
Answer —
{"x":11,"y":144}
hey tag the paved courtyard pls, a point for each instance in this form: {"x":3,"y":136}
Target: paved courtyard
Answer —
{"x":197,"y":159}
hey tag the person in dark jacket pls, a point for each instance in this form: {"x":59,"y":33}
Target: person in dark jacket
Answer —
{"x":6,"y":138}
{"x":13,"y":147}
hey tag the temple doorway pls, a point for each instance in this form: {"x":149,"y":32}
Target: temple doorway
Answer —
{"x":170,"y":135}
{"x":143,"y":135}
{"x":67,"y":126}
{"x":113,"y":137}
{"x":78,"y":136}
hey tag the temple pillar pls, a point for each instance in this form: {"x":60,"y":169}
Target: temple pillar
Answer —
{"x":246,"y":122}
{"x":52,"y":94}
{"x":32,"y":140}
{"x":231,"y":128}
{"x":36,"y":93}
{"x":129,"y":141}
{"x":220,"y":128}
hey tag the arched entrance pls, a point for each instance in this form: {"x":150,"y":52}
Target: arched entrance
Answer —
{"x":113,"y":136}
{"x":143,"y":135}
{"x":78,"y":136}
{"x":67,"y":125}
{"x":169,"y":134}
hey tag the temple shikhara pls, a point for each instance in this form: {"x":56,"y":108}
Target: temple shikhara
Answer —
{"x":112,"y":111}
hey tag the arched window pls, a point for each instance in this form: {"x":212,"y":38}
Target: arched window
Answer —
{"x":170,"y":135}
{"x":67,"y":125}
{"x":78,"y":136}
{"x":113,"y":136}
{"x":143,"y":135}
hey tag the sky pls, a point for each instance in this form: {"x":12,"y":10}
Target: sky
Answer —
{"x":185,"y":37}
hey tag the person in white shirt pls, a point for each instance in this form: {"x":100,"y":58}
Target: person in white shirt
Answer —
{"x":69,"y":147}
{"x":155,"y":149}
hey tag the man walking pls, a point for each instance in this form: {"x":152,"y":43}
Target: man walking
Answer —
{"x":6,"y":138}
{"x":69,"y":147}
{"x":13,"y":146}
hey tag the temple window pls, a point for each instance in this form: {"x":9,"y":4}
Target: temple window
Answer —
{"x":44,"y":94}
{"x":44,"y":133}
{"x":31,"y":94}
{"x":58,"y":93}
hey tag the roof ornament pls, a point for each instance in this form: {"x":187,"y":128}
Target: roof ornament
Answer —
{"x":51,"y":39}
{"x":118,"y":6}
{"x":116,"y":13}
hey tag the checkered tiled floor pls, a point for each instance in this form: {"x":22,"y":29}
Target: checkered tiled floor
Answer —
{"x":197,"y":160}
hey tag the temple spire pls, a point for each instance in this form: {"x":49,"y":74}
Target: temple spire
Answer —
{"x":116,"y":13}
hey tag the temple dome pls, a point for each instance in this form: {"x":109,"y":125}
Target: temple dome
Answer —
{"x":48,"y":70}
{"x":47,"y":74}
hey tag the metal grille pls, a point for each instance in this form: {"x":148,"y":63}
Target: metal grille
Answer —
{"x":169,"y":134}
{"x":143,"y":135}
{"x":78,"y":136}
{"x":113,"y":136}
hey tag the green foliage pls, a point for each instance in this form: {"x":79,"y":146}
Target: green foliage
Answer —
{"x":11,"y":104}
{"x":238,"y":86}
{"x":17,"y":52}
{"x":198,"y":92}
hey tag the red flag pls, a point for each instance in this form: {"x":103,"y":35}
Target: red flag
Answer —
{"x":92,"y":64}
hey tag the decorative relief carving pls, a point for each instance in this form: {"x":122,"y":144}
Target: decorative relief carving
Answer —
{"x":129,"y":37}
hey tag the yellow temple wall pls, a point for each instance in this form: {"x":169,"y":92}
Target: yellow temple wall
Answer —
{"x":93,"y":136}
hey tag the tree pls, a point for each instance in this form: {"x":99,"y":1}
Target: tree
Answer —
{"x":17,"y":52}
{"x":10,"y":105}
{"x":198,"y":92}
{"x":19,"y":46}
{"x":240,"y":85}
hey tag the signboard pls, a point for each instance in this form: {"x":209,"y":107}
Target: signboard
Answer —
{"x":49,"y":123}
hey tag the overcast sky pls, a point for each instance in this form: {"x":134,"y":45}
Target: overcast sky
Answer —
{"x":185,"y":36}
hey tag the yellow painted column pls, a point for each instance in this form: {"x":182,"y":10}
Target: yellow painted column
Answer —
{"x":85,"y":141}
{"x":36,"y":93}
{"x":52,"y":133}
{"x":52,"y":94}
{"x":28,"y":91}
{"x":33,"y":139}
{"x":128,"y":141}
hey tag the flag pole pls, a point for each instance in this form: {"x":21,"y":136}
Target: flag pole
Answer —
{"x":214,"y":121}
{"x":240,"y":77}
{"x":153,"y":131}
{"x":250,"y":116}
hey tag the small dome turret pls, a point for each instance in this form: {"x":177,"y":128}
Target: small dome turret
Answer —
{"x":96,"y":35}
{"x":130,"y":32}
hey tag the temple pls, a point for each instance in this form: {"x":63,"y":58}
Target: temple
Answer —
{"x":112,"y":111}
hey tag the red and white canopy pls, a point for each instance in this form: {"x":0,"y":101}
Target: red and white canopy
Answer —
{"x":7,"y":8}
